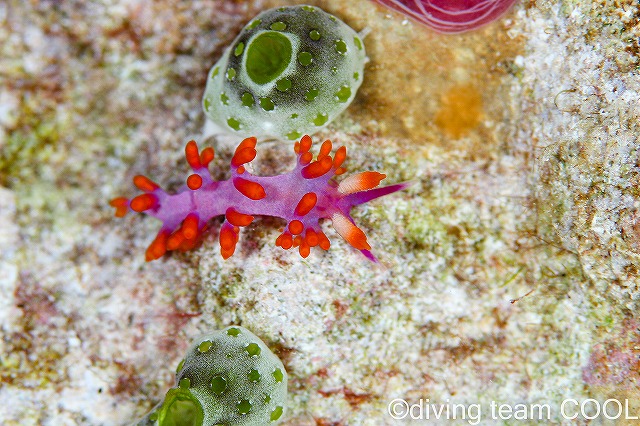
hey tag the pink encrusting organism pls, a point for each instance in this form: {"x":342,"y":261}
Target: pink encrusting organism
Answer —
{"x":451,"y":16}
{"x":302,"y":197}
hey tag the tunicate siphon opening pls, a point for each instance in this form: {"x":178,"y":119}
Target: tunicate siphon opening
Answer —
{"x":268,"y":56}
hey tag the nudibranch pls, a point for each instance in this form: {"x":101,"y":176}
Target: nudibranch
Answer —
{"x":302,"y":197}
{"x":289,"y":72}
{"x":451,"y":16}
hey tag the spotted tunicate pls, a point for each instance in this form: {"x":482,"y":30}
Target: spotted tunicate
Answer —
{"x":229,"y":378}
{"x":289,"y":72}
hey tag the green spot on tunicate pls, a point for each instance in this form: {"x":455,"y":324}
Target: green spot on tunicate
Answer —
{"x":207,"y":103}
{"x":268,"y":56}
{"x":308,"y":9}
{"x":215,"y":72}
{"x":229,"y":355}
{"x":254,"y":376}
{"x":252,"y":349}
{"x":315,"y":35}
{"x":153,"y":417}
{"x":283,"y":85}
{"x":343,"y":94}
{"x":218,"y":385}
{"x":248,"y":101}
{"x":356,"y":75}
{"x":294,"y":115}
{"x":255,"y":24}
{"x":239,"y":49}
{"x":243,"y":407}
{"x":267,"y":104}
{"x":305,"y":58}
{"x":293,"y":135}
{"x":320,"y":119}
{"x":179,"y":367}
{"x":233,"y":332}
{"x":277,"y":374}
{"x":333,"y":18}
{"x":233,"y":123}
{"x":267,"y":398}
{"x":275,"y":414}
{"x":341,"y":47}
{"x":278,"y":26}
{"x":184,"y":383}
{"x":205,"y":346}
{"x":357,"y":42}
{"x":334,"y":70}
{"x":231,"y":74}
{"x":311,"y":94}
{"x":224,"y":98}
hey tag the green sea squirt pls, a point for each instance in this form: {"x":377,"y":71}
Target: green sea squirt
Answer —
{"x":290,"y":72}
{"x":228,"y":378}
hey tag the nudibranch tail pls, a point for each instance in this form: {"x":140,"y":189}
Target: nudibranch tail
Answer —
{"x":302,"y":197}
{"x":358,"y":198}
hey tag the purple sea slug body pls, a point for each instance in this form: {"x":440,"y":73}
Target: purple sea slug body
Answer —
{"x":302,"y":197}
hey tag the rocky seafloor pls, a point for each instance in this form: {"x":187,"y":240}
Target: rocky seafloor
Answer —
{"x":509,"y":272}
